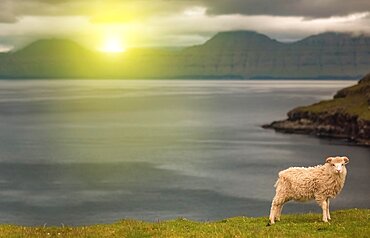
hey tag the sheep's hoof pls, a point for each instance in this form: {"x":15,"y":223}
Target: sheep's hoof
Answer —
{"x":268,"y":224}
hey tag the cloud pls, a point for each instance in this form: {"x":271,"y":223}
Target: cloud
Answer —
{"x":283,"y":28}
{"x":126,"y":10}
{"x":6,"y":13}
{"x":175,"y":22}
{"x":98,"y":11}
{"x":304,"y":8}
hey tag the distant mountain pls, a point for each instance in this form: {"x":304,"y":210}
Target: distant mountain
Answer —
{"x":253,"y":55}
{"x":53,"y":48}
{"x":236,"y":41}
{"x":53,"y":58}
{"x":236,"y":54}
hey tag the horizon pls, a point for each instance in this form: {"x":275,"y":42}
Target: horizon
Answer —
{"x":147,"y":24}
{"x":174,"y":48}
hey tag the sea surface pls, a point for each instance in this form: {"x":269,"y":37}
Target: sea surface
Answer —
{"x":77,"y":152}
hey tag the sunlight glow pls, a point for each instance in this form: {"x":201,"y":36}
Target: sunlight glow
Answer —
{"x":113,"y":45}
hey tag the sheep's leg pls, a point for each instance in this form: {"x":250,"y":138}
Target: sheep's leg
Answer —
{"x":327,"y":209}
{"x":278,"y":213}
{"x":276,"y":206}
{"x":324,"y":206}
{"x":272,"y":212}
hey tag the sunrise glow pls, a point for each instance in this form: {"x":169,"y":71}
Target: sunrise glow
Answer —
{"x":113,"y":45}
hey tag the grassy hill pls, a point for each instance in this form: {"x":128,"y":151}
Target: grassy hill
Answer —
{"x":354,"y":100}
{"x":346,"y":116}
{"x":345,"y":223}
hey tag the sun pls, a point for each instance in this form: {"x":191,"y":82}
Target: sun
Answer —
{"x":113,"y":45}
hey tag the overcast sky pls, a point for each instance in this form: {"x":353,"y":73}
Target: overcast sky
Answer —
{"x":142,"y":23}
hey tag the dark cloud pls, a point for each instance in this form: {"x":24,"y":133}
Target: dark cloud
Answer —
{"x":305,"y":8}
{"x":11,"y":10}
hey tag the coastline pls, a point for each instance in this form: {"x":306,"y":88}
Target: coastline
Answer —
{"x":346,"y":116}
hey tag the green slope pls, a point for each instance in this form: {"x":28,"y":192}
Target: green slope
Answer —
{"x":354,"y":101}
{"x":346,"y":116}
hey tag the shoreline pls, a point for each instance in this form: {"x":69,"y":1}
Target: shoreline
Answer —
{"x":346,"y":116}
{"x":289,"y":127}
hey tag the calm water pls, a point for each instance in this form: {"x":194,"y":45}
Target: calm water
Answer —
{"x":84,"y":152}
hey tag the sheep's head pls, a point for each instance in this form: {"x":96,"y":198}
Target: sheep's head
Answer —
{"x":338,"y":164}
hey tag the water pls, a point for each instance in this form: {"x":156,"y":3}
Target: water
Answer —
{"x":85,"y":152}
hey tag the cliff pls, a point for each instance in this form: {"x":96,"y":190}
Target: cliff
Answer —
{"x":247,"y":54}
{"x":346,"y":116}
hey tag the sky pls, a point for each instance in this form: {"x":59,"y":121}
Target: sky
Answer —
{"x":173,"y":23}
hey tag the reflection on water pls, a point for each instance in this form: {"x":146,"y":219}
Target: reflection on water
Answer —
{"x":84,"y":151}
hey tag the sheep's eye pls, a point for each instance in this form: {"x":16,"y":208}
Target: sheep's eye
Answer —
{"x":342,"y":164}
{"x":333,"y":165}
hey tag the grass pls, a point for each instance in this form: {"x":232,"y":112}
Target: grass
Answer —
{"x":345,"y":223}
{"x":355,"y":102}
{"x":352,"y":105}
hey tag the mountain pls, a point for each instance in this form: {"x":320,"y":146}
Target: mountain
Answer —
{"x":236,"y":41}
{"x":236,"y":54}
{"x":253,"y":55}
{"x":346,"y":116}
{"x":53,"y":48}
{"x":53,"y":58}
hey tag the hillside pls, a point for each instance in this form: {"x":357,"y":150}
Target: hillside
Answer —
{"x":346,"y":116}
{"x":52,"y":58}
{"x":345,"y":223}
{"x":236,"y":54}
{"x":52,"y":48}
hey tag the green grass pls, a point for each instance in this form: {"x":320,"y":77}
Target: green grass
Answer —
{"x":354,"y":101}
{"x":345,"y":223}
{"x":352,"y":105}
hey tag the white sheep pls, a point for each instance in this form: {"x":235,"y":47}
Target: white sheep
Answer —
{"x":321,"y":183}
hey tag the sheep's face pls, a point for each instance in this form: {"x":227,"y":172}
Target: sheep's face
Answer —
{"x":337,"y":164}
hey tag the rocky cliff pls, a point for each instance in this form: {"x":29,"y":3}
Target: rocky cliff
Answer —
{"x":346,"y":116}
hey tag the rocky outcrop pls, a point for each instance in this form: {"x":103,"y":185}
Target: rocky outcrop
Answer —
{"x":347,"y":116}
{"x":335,"y":125}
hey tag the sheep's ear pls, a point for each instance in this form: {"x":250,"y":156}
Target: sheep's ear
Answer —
{"x":328,"y":160}
{"x":346,"y":160}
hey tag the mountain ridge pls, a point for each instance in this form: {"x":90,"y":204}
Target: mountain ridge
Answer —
{"x":231,"y":54}
{"x":64,"y":47}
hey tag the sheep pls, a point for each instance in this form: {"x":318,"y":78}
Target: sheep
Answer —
{"x":321,"y":183}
